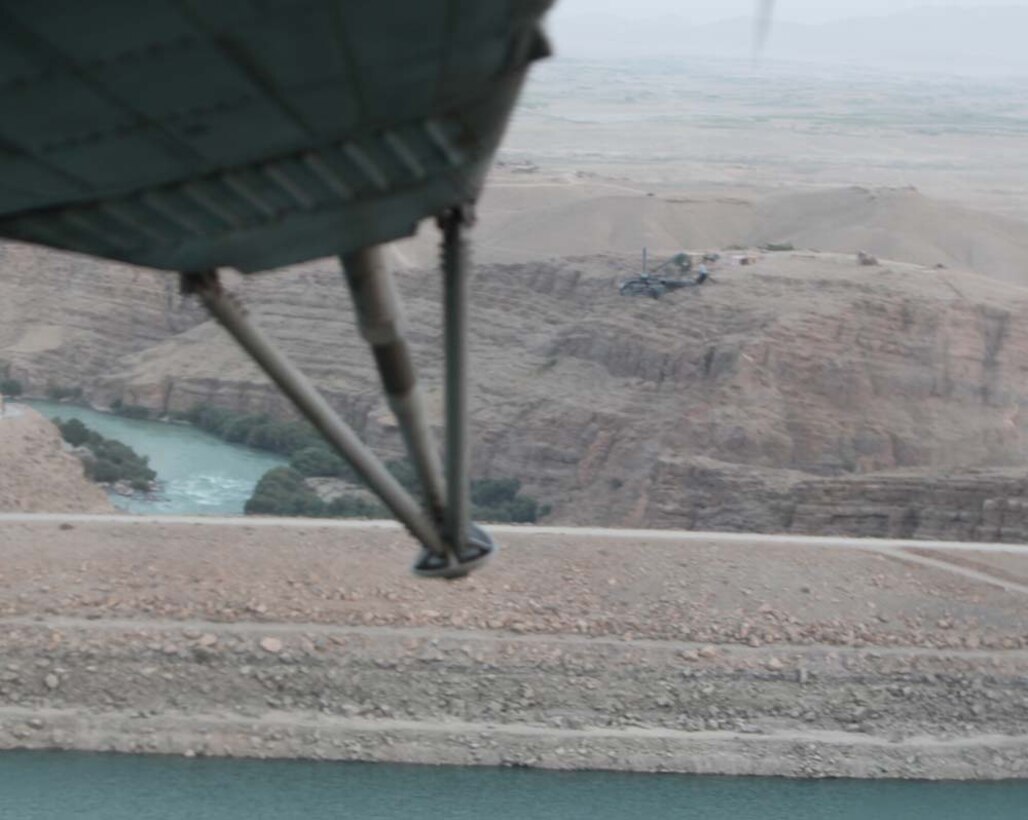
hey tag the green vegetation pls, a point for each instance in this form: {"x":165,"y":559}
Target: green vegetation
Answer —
{"x":11,"y":388}
{"x":129,"y":411}
{"x":321,"y":462}
{"x":282,"y":437}
{"x":112,"y":461}
{"x":283,"y":491}
{"x":57,"y":392}
{"x":499,"y":500}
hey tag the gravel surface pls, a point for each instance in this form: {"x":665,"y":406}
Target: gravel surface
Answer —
{"x":569,"y":651}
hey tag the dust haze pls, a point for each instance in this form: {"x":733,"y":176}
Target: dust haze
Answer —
{"x":943,"y":36}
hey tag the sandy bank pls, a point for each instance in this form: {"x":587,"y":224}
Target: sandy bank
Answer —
{"x":36,"y":474}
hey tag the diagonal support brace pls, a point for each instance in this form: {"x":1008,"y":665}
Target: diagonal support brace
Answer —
{"x":306,"y":398}
{"x":455,"y":321}
{"x":380,"y":317}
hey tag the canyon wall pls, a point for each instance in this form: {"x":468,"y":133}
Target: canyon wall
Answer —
{"x":802,"y":366}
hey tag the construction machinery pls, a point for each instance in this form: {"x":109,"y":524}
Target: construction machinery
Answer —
{"x":673,"y":274}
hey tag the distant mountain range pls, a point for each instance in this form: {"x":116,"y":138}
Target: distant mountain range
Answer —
{"x":956,"y":40}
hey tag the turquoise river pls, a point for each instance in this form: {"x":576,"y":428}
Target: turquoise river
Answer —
{"x":199,"y":474}
{"x":62,"y":786}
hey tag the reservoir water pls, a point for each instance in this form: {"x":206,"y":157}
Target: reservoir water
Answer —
{"x":199,"y":474}
{"x":62,"y":786}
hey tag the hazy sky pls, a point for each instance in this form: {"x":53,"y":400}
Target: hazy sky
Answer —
{"x":947,"y":36}
{"x":805,"y":11}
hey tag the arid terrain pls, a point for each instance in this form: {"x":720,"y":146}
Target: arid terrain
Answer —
{"x":803,"y":393}
{"x":655,"y":652}
{"x":714,"y":408}
{"x":36,"y":474}
{"x":695,"y":125}
{"x":800,"y":394}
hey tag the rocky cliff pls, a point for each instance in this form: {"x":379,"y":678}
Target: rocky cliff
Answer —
{"x":65,"y":319}
{"x":973,"y":505}
{"x":802,"y":365}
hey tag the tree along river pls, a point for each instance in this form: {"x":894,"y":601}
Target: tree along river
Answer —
{"x":199,"y":474}
{"x":62,"y":785}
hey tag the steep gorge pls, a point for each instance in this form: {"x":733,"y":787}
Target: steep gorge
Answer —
{"x":617,"y":411}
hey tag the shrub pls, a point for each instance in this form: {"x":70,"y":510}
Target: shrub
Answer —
{"x":353,"y":507}
{"x":494,"y":492}
{"x":59,"y":393}
{"x":778,"y":246}
{"x":321,"y":462}
{"x":282,"y":491}
{"x":112,"y":461}
{"x":73,"y":431}
{"x":404,"y":472}
{"x":520,"y":510}
{"x":241,"y":429}
{"x":284,"y":437}
{"x":131,"y":411}
{"x":11,"y":387}
{"x":280,"y":437}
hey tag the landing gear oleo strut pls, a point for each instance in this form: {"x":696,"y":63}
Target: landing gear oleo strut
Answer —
{"x":451,"y":546}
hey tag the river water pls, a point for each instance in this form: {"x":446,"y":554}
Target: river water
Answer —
{"x":199,"y":474}
{"x":62,"y":786}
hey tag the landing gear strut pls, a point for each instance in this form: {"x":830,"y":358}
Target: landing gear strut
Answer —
{"x":451,"y":545}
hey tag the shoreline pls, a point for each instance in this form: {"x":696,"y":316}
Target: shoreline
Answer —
{"x":310,"y":736}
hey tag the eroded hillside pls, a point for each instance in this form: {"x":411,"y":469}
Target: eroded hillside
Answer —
{"x":610,"y":408}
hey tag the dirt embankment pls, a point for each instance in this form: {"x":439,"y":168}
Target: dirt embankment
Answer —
{"x":36,"y":474}
{"x":658,"y":653}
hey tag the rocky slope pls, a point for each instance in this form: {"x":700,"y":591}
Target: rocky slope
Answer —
{"x":36,"y":474}
{"x":617,"y":411}
{"x":64,"y":318}
{"x":803,"y":362}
